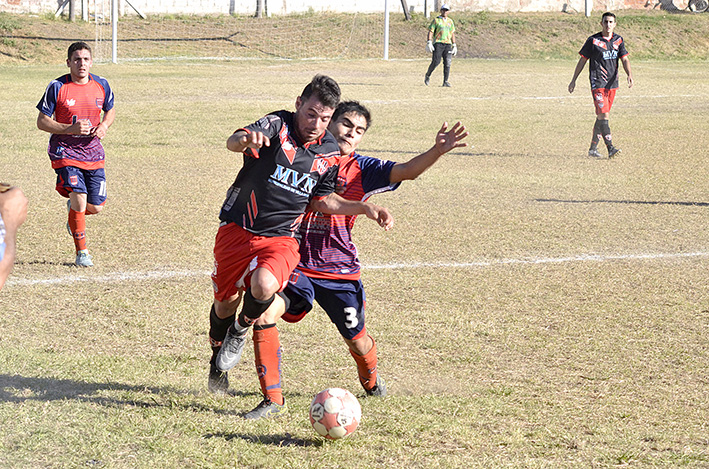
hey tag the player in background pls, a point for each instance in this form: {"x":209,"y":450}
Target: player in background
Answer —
{"x":602,"y":51}
{"x":13,"y":212}
{"x":70,"y":110}
{"x":289,"y":162}
{"x":441,"y":43}
{"x":329,"y":269}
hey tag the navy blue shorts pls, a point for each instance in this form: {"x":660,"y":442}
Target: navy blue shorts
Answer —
{"x":342,"y":300}
{"x":91,"y":182}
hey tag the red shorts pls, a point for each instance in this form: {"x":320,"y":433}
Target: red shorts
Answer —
{"x":237,"y":253}
{"x":603,"y":99}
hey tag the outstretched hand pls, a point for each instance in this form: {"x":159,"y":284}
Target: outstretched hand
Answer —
{"x":381,"y":215}
{"x":447,"y":140}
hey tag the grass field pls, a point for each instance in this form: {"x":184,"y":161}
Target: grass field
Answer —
{"x":532,"y":307}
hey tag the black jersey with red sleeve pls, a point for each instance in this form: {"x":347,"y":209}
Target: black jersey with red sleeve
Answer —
{"x":603,"y":55}
{"x":277,"y":182}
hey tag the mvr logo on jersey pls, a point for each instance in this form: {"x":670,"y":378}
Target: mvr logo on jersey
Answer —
{"x":610,"y":54}
{"x":289,"y":179}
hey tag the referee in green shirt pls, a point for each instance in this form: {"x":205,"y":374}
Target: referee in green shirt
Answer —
{"x":441,"y":43}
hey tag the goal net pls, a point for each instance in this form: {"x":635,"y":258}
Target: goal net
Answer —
{"x":303,"y":36}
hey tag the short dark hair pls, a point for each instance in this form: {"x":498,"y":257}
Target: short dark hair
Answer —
{"x":608,"y":13}
{"x":352,"y":106}
{"x":324,"y":88}
{"x":77,"y":46}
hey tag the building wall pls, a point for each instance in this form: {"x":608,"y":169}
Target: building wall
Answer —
{"x":279,"y":7}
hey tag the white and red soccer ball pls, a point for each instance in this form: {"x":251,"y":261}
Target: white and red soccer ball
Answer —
{"x":335,"y":413}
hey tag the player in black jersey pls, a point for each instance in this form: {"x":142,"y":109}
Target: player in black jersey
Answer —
{"x":602,"y":51}
{"x":290,"y":163}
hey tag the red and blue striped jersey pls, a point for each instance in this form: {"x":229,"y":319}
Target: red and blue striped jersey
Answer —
{"x":327,"y":249}
{"x":69,"y":102}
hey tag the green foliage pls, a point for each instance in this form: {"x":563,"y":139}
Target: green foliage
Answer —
{"x":8,"y":23}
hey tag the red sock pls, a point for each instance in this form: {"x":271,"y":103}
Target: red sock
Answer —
{"x":367,"y":366}
{"x":267,"y":348}
{"x":77,"y":223}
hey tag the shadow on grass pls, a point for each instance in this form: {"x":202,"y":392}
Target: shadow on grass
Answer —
{"x":65,"y":264}
{"x":19,"y":389}
{"x":274,"y":440}
{"x":607,"y":201}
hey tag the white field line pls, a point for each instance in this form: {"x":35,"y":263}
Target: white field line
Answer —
{"x":576,"y":96}
{"x":127,"y":276}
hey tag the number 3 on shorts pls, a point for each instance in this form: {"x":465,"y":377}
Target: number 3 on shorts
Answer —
{"x":351,"y":320}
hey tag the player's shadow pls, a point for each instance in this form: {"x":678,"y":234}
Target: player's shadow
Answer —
{"x":640,"y":202}
{"x":273,"y":440}
{"x":19,"y":389}
{"x":65,"y":264}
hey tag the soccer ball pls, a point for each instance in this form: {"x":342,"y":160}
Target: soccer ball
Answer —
{"x":335,"y":413}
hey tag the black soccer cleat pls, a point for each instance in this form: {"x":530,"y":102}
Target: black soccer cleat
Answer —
{"x":267,"y":409}
{"x":379,"y":389}
{"x":612,"y":151}
{"x":426,"y":80}
{"x":218,"y":382}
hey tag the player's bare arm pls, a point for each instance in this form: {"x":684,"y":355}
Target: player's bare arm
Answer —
{"x":240,"y":140}
{"x":13,"y":208}
{"x":334,"y":204}
{"x":46,"y":123}
{"x":446,"y":140}
{"x":626,"y":66}
{"x":101,"y":129}
{"x":579,"y":68}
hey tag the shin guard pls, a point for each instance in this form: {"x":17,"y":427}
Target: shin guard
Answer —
{"x":367,"y":366}
{"x":267,"y":351}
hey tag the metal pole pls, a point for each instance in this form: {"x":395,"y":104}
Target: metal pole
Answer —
{"x":386,"y":29}
{"x":587,"y":7}
{"x":114,"y":30}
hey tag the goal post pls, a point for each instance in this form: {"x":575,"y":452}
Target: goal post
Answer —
{"x":386,"y":29}
{"x":130,"y":37}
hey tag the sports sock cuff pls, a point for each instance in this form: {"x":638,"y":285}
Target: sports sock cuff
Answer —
{"x":218,"y":327}
{"x":254,"y":308}
{"x":216,"y":320}
{"x":263,"y":326}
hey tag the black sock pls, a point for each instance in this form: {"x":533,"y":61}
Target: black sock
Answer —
{"x":217,"y":331}
{"x":253,"y":309}
{"x":596,"y":135}
{"x":606,"y":133}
